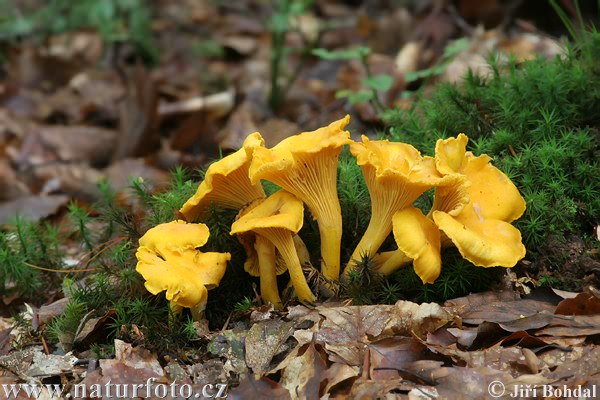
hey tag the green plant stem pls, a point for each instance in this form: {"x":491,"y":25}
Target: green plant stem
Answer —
{"x":375,"y":101}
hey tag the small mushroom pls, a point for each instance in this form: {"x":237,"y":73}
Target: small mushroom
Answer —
{"x":277,"y":219}
{"x":306,"y":166}
{"x":396,"y":175}
{"x":226,"y":183}
{"x":261,"y":260}
{"x":168,"y":260}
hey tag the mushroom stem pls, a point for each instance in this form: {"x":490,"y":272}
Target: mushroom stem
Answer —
{"x":285,"y":246}
{"x":331,"y":237}
{"x":267,"y":271}
{"x":393,"y":260}
{"x":198,"y":311}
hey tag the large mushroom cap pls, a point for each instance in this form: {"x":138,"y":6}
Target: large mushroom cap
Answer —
{"x":226,"y":182}
{"x":288,"y":154}
{"x":484,"y":242}
{"x":168,"y":260}
{"x":306,"y":166}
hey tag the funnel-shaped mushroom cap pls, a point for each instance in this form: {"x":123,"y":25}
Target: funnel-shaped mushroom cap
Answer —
{"x":306,"y":166}
{"x":280,"y":210}
{"x":490,"y":190}
{"x":168,"y":260}
{"x":226,"y":182}
{"x":396,"y":175}
{"x":484,"y":242}
{"x":175,"y":237}
{"x":249,"y":242}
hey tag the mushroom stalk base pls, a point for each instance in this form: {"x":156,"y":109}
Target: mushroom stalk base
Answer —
{"x":286,"y":248}
{"x":267,"y":271}
{"x":331,"y":237}
{"x":373,"y":238}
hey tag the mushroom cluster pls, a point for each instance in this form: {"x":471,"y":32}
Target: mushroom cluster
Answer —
{"x":474,"y":205}
{"x":474,"y":214}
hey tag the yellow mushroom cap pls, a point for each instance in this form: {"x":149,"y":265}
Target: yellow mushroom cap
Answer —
{"x":226,"y":182}
{"x":186,"y":277}
{"x":280,"y":210}
{"x":168,"y":260}
{"x":484,"y":242}
{"x":175,"y":236}
{"x":418,"y":238}
{"x":491,"y":191}
{"x":288,"y":154}
{"x":248,"y":241}
{"x":306,"y":166}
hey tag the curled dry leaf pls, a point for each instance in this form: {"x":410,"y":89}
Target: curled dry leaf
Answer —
{"x":263,"y":341}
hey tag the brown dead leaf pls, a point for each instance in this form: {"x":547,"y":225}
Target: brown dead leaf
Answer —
{"x":506,"y":311}
{"x":466,"y":383}
{"x":585,"y":366}
{"x":345,"y":331}
{"x":135,"y":357}
{"x":473,"y":301}
{"x":263,"y":388}
{"x":264,"y":340}
{"x":94,"y":330}
{"x":76,"y":179}
{"x":303,"y":375}
{"x":120,"y":174}
{"x":32,"y":207}
{"x":48,"y":312}
{"x":336,"y":374}
{"x":572,"y":325}
{"x":582,"y":304}
{"x":5,"y":344}
{"x":10,"y":186}
{"x":393,"y":358}
{"x":486,"y":335}
{"x":79,"y":143}
{"x":365,"y":389}
{"x":138,"y":116}
{"x":243,"y":121}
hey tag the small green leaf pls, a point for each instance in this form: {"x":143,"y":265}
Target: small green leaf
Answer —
{"x":355,"y":97}
{"x":379,"y":82}
{"x":455,"y":47}
{"x":354,"y":53}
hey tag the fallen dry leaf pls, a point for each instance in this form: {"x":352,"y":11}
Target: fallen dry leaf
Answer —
{"x":32,"y":208}
{"x":263,"y":388}
{"x":302,"y":376}
{"x":264,"y":340}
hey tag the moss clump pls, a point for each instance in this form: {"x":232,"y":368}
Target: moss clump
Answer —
{"x":540,"y":123}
